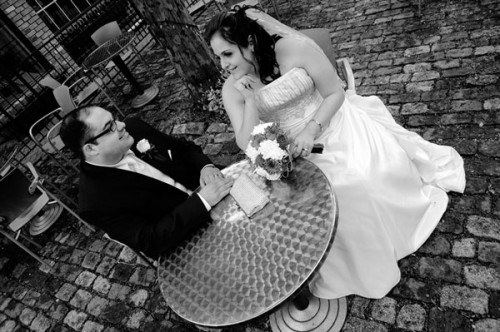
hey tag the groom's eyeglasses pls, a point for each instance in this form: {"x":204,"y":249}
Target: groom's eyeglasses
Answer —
{"x":111,"y":128}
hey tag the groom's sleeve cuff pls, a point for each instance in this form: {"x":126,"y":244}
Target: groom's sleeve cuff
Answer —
{"x":207,"y":206}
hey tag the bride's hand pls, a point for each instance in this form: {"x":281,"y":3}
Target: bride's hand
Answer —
{"x":245,"y":85}
{"x":303,"y":143}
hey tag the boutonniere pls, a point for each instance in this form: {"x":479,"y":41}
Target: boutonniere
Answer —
{"x":148,"y":149}
{"x":144,"y":147}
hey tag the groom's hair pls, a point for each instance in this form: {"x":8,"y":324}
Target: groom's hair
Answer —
{"x":237,"y":28}
{"x":74,"y":131}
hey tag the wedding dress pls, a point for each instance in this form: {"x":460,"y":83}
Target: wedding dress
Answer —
{"x":390,"y":183}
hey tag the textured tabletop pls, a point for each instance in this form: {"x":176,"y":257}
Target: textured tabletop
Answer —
{"x":238,"y":268}
{"x":108,"y":50}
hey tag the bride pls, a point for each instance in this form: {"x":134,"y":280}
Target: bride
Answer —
{"x":390,"y":183}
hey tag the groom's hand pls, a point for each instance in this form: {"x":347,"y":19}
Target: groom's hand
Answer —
{"x":216,"y":190}
{"x":208,"y":174}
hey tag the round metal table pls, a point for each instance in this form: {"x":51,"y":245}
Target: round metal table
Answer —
{"x":110,"y":51}
{"x":237,"y":268}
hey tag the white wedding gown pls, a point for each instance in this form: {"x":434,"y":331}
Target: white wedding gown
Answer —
{"x":390,"y":183}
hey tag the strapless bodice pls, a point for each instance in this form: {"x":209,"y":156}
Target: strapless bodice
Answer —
{"x":290,"y":100}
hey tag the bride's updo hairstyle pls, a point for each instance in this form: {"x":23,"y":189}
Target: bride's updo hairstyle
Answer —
{"x":236,"y":28}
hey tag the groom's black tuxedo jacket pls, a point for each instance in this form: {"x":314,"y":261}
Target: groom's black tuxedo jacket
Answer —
{"x":142,"y":212}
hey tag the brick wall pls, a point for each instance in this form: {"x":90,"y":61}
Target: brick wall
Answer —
{"x":24,"y":17}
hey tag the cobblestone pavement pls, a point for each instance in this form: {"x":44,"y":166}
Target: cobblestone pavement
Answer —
{"x":438,"y":74}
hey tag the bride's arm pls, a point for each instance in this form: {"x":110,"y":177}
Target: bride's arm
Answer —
{"x":241,"y":110}
{"x":291,"y":53}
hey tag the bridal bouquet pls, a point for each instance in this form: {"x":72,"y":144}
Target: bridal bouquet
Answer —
{"x":268,"y":151}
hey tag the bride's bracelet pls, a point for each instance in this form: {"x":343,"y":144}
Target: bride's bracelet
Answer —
{"x":318,"y":123}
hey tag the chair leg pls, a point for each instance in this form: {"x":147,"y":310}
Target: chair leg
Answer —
{"x":31,"y":253}
{"x":24,"y":237}
{"x":68,"y":209}
{"x":145,"y":258}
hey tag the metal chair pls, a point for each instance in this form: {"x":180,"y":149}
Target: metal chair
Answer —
{"x":45,"y":134}
{"x":24,"y":201}
{"x":80,"y":89}
{"x":111,"y":31}
{"x":321,"y":37}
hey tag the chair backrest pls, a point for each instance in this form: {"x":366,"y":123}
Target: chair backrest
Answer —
{"x":106,"y":32}
{"x":322,"y":37}
{"x":49,"y":82}
{"x":64,"y":99}
{"x":17,"y":204}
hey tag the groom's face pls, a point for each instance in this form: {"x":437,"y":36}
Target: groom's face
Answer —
{"x":112,"y":141}
{"x":237,"y":63}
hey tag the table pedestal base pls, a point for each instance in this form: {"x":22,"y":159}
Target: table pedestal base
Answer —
{"x":148,"y":95}
{"x":41,"y":222}
{"x":320,"y":315}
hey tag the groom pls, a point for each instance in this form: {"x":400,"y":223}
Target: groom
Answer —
{"x":142,"y":199}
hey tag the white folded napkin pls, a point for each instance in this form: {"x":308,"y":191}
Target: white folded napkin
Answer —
{"x":248,"y":195}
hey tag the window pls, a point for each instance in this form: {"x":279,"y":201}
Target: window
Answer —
{"x":57,"y":13}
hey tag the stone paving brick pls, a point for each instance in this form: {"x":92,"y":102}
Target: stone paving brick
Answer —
{"x":98,"y":245}
{"x":77,"y":256}
{"x":118,"y":292}
{"x":66,"y":292}
{"x":75,"y":319}
{"x":139,"y":297}
{"x":411,"y":317}
{"x":127,"y":255}
{"x":8,"y":326}
{"x":27,"y":316}
{"x":40,"y":324}
{"x":489,"y":252}
{"x":85,"y":279}
{"x":91,"y":260}
{"x":19,"y":292}
{"x":384,"y":310}
{"x":122,"y":272}
{"x":354,"y":324}
{"x":437,"y":245}
{"x":417,"y":290}
{"x":143,"y":276}
{"x":464,"y":298}
{"x":113,"y":249}
{"x":14,"y":309}
{"x":59,"y":311}
{"x":31,"y":297}
{"x":90,"y":326}
{"x":81,"y":299}
{"x":116,"y":313}
{"x":447,"y":321}
{"x":101,"y":285}
{"x":464,"y":248}
{"x":136,"y":319}
{"x":484,"y":227}
{"x":97,"y":305}
{"x":487,"y":325}
{"x":106,"y":265}
{"x":440,"y":269}
{"x":482,"y":277}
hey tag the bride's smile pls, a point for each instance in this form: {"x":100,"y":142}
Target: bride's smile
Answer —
{"x":238,"y":61}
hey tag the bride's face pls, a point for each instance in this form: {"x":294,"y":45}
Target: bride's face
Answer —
{"x":235,"y":62}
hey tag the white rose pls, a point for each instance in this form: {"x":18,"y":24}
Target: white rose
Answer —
{"x":271,"y":150}
{"x":252,"y":153}
{"x":143,"y":145}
